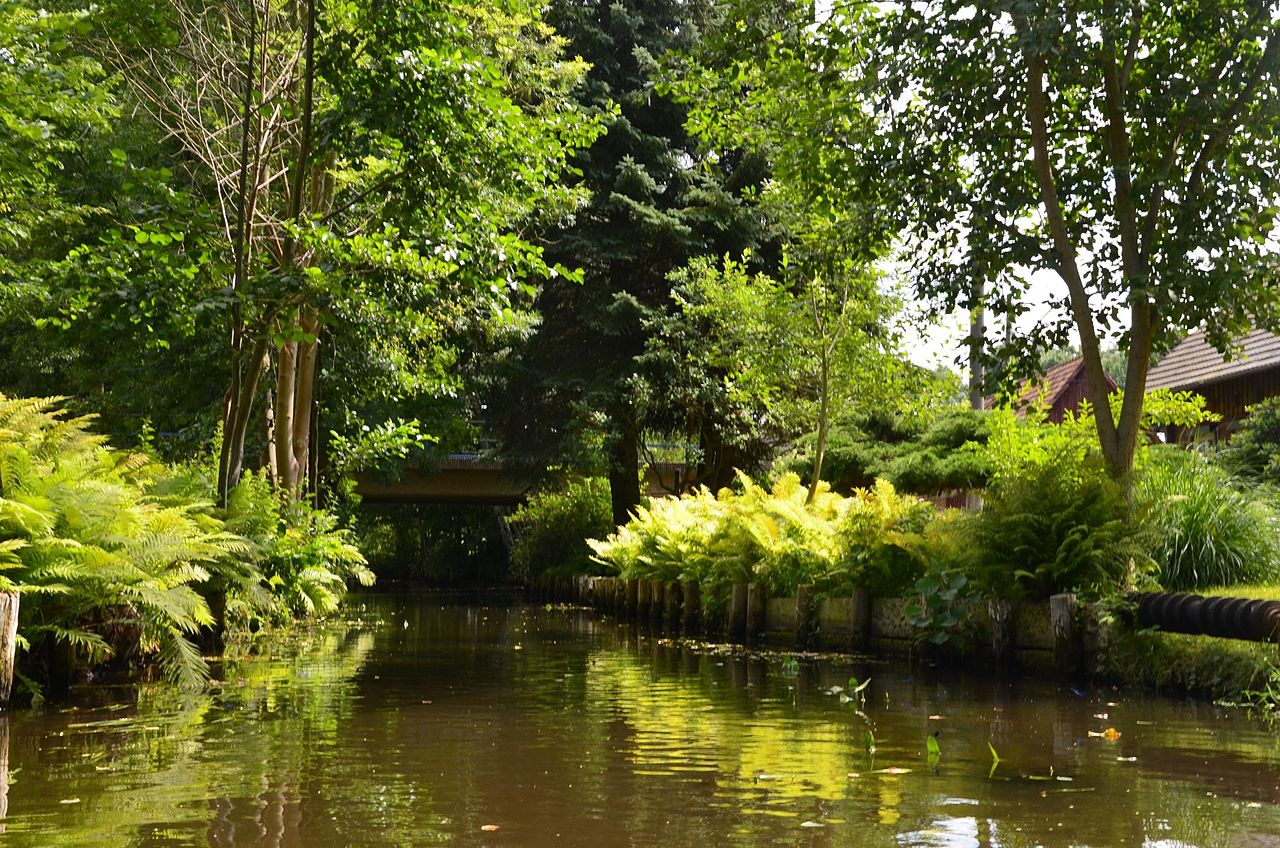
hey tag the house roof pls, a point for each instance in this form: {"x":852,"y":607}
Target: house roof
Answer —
{"x":1057,"y":379}
{"x":1194,"y":362}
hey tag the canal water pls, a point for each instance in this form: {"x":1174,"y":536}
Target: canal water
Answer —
{"x":420,"y":720}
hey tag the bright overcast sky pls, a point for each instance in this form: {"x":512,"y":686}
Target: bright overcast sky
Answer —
{"x":941,"y":340}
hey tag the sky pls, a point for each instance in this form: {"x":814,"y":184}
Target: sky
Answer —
{"x":939,"y":340}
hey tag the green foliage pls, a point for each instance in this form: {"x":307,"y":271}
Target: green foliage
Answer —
{"x":310,"y":564}
{"x":305,"y":558}
{"x":1022,"y":444}
{"x":97,"y":544}
{"x":1092,"y":141}
{"x":924,"y":454}
{"x":551,"y":530}
{"x":1059,"y":526}
{"x":941,"y":609}
{"x":876,"y":522}
{"x":816,"y":342}
{"x":767,"y":536}
{"x":50,"y":98}
{"x":571,"y":391}
{"x":1199,"y":665}
{"x":1254,"y":449}
{"x":113,"y":552}
{"x":1208,"y":532}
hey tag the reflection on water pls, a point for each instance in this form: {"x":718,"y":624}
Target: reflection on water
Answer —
{"x":419,"y":722}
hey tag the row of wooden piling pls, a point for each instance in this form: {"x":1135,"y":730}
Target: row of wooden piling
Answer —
{"x":1044,"y":634}
{"x":678,"y":608}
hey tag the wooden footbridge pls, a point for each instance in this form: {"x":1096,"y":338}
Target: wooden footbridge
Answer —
{"x":479,"y":480}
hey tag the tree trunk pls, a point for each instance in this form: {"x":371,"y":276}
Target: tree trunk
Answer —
{"x":235,"y":429}
{"x":977,"y":334}
{"x":624,"y":478}
{"x":304,"y":399}
{"x":1096,"y":388}
{"x":8,"y":644}
{"x":824,"y":425}
{"x":286,"y":383}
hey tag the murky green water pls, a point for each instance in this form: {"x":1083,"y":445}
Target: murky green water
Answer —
{"x":420,"y":722}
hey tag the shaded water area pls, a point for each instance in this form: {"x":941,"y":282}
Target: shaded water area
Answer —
{"x":420,"y":720}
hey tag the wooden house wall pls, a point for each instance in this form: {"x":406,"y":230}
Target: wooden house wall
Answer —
{"x":1069,"y":398}
{"x":1230,"y":398}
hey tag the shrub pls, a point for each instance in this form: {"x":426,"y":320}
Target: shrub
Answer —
{"x":1208,"y":533}
{"x":105,"y":554}
{"x":942,"y":454}
{"x":552,"y":528}
{"x":305,"y":558}
{"x":114,"y":552}
{"x":768,"y":536}
{"x":1058,"y":527}
{"x":1254,"y":449}
{"x":876,"y":521}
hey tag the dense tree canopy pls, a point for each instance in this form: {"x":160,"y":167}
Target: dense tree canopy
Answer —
{"x":1127,"y":148}
{"x":656,"y":199}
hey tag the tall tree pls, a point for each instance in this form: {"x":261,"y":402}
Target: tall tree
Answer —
{"x":805,"y":349}
{"x":657,"y":198}
{"x":338,"y":145}
{"x":1127,"y":147}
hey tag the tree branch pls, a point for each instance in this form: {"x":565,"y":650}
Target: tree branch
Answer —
{"x":1069,"y":268}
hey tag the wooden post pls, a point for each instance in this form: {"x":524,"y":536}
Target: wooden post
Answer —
{"x":631,"y":609}
{"x":692,"y":607}
{"x":642,"y":600}
{"x":1067,"y":643}
{"x":656,"y":591}
{"x":755,"y":611}
{"x":738,"y":614}
{"x":8,"y":643}
{"x":1001,"y":612}
{"x":4,"y":770}
{"x":860,"y":619}
{"x":672,"y":616}
{"x":804,"y":617}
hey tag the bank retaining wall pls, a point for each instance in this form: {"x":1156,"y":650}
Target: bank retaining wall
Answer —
{"x":1059,"y":633}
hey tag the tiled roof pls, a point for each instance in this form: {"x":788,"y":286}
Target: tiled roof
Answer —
{"x":1056,"y":379}
{"x":1194,"y":362}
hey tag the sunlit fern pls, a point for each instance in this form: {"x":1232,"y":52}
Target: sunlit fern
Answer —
{"x":83,"y":537}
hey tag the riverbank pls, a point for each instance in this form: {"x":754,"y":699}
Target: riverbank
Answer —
{"x":1060,"y":637}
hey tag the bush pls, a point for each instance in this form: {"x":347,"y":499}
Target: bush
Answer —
{"x":1254,"y":449}
{"x":106,"y":555}
{"x":304,"y":557}
{"x":876,"y":522}
{"x":1059,"y":527}
{"x":115,"y":553}
{"x":1208,"y":533}
{"x":551,"y":530}
{"x":768,"y":536}
{"x":944,"y":454}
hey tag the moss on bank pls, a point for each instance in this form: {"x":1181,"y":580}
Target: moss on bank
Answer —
{"x":1228,"y":669}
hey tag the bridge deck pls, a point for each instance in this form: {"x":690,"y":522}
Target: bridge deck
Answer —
{"x":472,"y":479}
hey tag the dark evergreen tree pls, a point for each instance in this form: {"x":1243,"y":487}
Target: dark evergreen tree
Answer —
{"x":571,"y":394}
